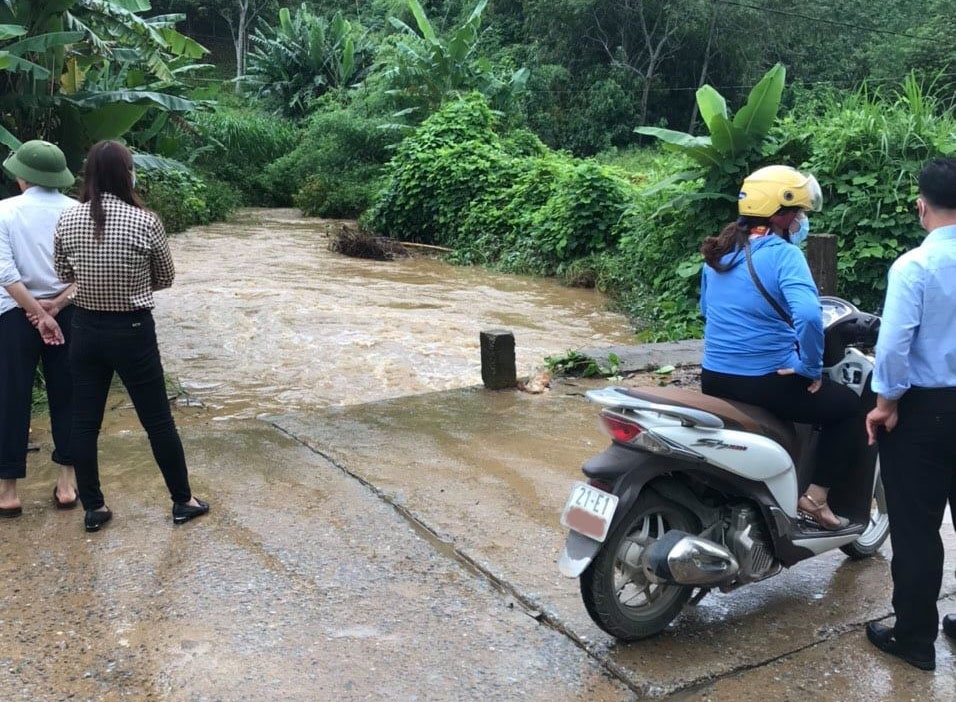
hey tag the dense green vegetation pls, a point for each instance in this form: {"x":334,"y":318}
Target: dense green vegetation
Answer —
{"x":595,"y":140}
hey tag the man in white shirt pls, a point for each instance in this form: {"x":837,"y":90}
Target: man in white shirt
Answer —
{"x":29,"y":287}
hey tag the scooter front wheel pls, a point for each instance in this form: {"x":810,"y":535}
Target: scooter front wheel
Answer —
{"x":616,"y":594}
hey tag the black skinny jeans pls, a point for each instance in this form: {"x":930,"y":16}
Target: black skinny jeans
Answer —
{"x":124,"y":342}
{"x":835,"y":408}
{"x":21,"y":349}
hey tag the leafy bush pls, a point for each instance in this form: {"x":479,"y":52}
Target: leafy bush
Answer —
{"x":335,"y":170}
{"x":867,"y":150}
{"x":183,"y":199}
{"x":237,"y":146}
{"x":507,"y":201}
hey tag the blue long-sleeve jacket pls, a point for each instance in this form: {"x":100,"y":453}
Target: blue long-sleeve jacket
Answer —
{"x":743,"y":334}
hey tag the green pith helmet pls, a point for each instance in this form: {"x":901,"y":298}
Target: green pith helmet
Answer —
{"x":40,"y":163}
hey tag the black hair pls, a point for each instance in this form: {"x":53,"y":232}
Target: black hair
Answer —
{"x":937,"y":183}
{"x":108,"y":169}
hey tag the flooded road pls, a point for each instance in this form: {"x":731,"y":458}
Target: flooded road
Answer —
{"x":263,"y":318}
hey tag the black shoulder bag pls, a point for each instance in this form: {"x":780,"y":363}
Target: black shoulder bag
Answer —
{"x":763,"y":291}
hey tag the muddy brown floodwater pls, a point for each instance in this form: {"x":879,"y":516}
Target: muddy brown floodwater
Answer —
{"x":268,"y":320}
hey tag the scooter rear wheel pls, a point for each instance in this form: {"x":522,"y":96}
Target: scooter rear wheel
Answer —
{"x":876,"y":531}
{"x":616,"y":594}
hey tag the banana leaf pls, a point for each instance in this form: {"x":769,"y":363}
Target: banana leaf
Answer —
{"x":711,"y":104}
{"x":424,"y":26}
{"x":8,"y":140}
{"x":181,"y":45}
{"x":727,"y":138}
{"x":15,"y":63}
{"x":170,"y":103}
{"x":71,"y":80}
{"x":132,"y":5}
{"x":8,"y":31}
{"x":758,"y":115}
{"x":113,"y":120}
{"x":43,"y":42}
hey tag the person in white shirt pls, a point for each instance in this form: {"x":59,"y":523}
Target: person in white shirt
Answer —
{"x":30,"y":288}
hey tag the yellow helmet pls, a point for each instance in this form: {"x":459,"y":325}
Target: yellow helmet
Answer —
{"x":768,"y":189}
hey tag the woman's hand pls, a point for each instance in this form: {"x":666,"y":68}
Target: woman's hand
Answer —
{"x":811,"y":388}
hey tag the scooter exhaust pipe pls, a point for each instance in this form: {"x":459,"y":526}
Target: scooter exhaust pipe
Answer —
{"x":684,"y":559}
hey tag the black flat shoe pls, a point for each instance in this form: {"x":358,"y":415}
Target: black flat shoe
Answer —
{"x":94,"y":519}
{"x":183,"y":513}
{"x":884,"y":638}
{"x":10,"y":512}
{"x":62,"y":505}
{"x":949,"y":625}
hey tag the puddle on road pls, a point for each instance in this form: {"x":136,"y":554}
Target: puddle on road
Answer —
{"x":264,"y":319}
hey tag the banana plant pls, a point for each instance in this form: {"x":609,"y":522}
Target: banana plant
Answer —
{"x":733,"y":141}
{"x":50,"y":51}
{"x":306,"y":56}
{"x":430,"y":68}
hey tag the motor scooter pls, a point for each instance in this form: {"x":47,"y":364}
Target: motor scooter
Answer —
{"x":697,"y":492}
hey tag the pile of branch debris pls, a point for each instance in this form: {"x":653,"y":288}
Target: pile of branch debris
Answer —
{"x":351,"y":242}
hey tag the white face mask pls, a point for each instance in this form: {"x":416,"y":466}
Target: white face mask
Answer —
{"x":799,"y":236}
{"x":132,"y":177}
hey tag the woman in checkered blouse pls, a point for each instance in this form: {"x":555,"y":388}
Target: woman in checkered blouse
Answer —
{"x":116,"y":252}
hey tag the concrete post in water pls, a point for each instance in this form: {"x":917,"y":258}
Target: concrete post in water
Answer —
{"x":822,"y":259}
{"x":498,"y":370}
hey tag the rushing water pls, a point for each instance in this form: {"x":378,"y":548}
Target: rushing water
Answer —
{"x":263,"y":318}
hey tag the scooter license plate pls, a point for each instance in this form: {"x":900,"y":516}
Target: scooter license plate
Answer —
{"x":589,"y":511}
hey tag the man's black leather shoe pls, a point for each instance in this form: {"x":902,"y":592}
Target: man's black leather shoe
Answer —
{"x":183,"y":513}
{"x":949,"y":625}
{"x":884,"y":638}
{"x":94,"y":519}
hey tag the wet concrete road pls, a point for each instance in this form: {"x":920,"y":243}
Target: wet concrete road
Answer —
{"x":302,"y":584}
{"x":398,"y":549}
{"x":489,"y":474}
{"x":405,"y":549}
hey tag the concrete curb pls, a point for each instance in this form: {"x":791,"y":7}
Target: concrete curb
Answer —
{"x":649,"y":356}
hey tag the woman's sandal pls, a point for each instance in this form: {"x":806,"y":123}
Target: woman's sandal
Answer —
{"x":815,"y":512}
{"x":62,"y":505}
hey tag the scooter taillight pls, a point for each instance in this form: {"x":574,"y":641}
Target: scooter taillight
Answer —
{"x":625,"y":430}
{"x":620,"y":428}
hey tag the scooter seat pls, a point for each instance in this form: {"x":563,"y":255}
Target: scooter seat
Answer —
{"x":736,"y":415}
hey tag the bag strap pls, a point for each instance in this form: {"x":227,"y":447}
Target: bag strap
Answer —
{"x":763,"y":291}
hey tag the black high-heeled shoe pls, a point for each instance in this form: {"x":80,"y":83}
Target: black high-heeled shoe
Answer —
{"x":182,"y":513}
{"x":95,"y":518}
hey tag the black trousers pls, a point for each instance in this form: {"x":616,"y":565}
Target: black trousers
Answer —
{"x":918,"y":465}
{"x":21,"y":350}
{"x":124,"y":342}
{"x":835,"y":408}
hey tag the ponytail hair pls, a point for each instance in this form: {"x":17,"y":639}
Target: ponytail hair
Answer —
{"x":733,"y":237}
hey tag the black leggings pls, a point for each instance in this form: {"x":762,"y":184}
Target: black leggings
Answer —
{"x":835,"y":408}
{"x":125,"y":343}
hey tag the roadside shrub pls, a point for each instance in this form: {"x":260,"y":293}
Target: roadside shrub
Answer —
{"x":183,"y":199}
{"x":336,"y":168}
{"x":867,"y":150}
{"x":507,"y":201}
{"x":236,"y":147}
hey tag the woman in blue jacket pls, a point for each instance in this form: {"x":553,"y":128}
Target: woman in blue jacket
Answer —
{"x":765,"y":346}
